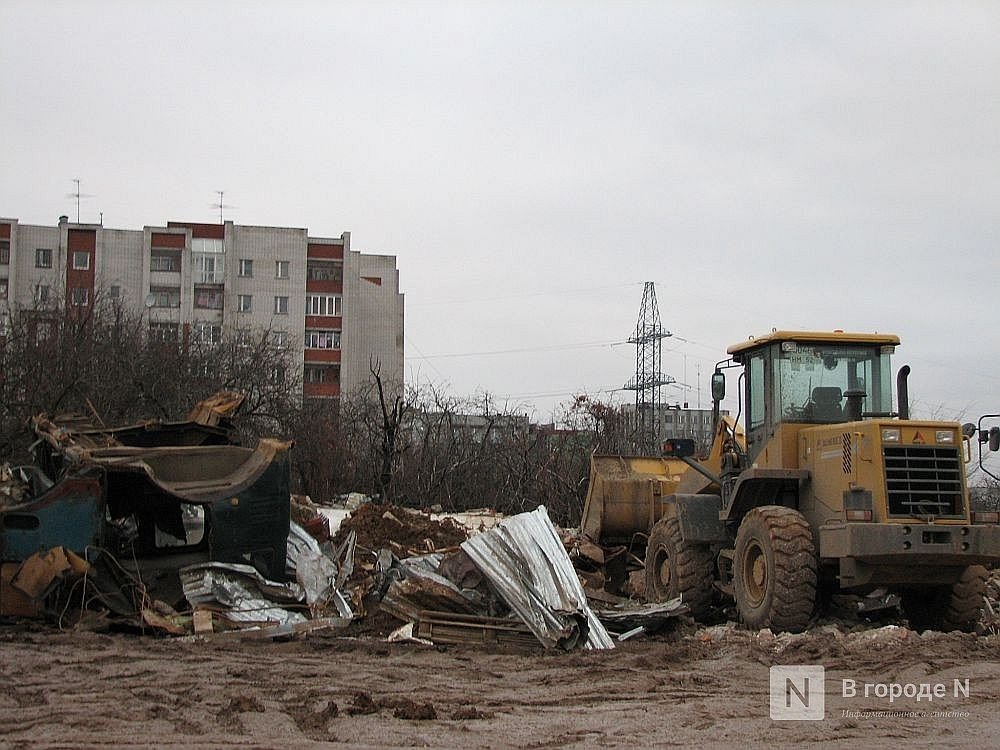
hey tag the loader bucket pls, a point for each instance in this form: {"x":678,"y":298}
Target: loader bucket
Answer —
{"x":625,"y":495}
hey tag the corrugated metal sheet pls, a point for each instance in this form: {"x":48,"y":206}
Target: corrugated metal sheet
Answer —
{"x":527,"y":564}
{"x":246,"y":595}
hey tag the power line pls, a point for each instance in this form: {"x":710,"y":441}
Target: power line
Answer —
{"x":423,"y":357}
{"x":526,"y":295}
{"x":522,"y":350}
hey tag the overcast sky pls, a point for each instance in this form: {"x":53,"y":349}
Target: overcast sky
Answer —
{"x":792,"y":165}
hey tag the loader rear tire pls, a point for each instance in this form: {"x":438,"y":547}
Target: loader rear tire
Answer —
{"x":948,"y":608}
{"x":674,"y":567}
{"x":774,"y":569}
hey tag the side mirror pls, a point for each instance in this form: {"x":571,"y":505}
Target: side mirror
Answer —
{"x":995,"y":438}
{"x":718,"y":386}
{"x":678,"y":447}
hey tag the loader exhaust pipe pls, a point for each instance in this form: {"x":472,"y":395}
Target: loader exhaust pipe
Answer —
{"x":902,"y":393}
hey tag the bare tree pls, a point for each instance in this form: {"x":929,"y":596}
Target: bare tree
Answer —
{"x":414,"y":447}
{"x":392,"y":418}
{"x":101,"y":360}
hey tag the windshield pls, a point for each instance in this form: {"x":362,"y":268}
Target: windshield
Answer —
{"x":812,"y":381}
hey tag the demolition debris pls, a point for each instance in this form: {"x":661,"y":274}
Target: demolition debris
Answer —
{"x":172,"y":527}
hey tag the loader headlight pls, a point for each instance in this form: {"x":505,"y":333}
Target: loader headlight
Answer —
{"x":946,"y":437}
{"x":891,"y":435}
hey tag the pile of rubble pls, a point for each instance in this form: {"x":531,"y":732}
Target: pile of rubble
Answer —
{"x":405,"y":532}
{"x":513,"y":584}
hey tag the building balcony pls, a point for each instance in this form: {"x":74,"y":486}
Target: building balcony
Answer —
{"x":322,"y":355}
{"x":329,"y":252}
{"x":328,"y":322}
{"x":321,"y":390}
{"x":324,"y":286}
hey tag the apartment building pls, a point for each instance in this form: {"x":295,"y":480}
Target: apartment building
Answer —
{"x":338,"y":309}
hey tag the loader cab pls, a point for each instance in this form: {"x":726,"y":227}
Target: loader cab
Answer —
{"x":813,"y":378}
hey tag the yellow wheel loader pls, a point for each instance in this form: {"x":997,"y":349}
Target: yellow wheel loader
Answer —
{"x":824,"y":485}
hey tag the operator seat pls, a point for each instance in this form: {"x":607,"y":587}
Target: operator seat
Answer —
{"x":826,"y":404}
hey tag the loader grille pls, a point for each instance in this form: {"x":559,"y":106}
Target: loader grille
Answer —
{"x":923,"y":481}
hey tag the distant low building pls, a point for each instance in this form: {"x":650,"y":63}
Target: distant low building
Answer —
{"x":684,"y":422}
{"x":337,"y":308}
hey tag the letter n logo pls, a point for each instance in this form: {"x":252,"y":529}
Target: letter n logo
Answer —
{"x":798,"y":693}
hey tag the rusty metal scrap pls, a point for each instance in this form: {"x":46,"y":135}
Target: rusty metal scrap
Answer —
{"x":422,"y":589}
{"x":451,"y":627}
{"x":526,"y":563}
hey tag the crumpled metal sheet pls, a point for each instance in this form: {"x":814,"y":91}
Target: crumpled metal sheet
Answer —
{"x":300,"y":543}
{"x":527,"y":564}
{"x":345,"y":559}
{"x":318,"y":573}
{"x":644,"y":618}
{"x":244,"y":592}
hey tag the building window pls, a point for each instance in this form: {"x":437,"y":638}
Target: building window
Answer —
{"x":281,"y":269}
{"x":208,"y":297}
{"x":207,"y":333}
{"x":244,"y":303}
{"x":281,"y":305}
{"x":41,"y":294}
{"x":314,"y":374}
{"x":279,"y":339}
{"x":322,"y":339}
{"x":164,"y":333}
{"x":208,"y":269}
{"x":321,"y":374}
{"x":203,"y":245}
{"x":243,"y":337}
{"x":80,"y":295}
{"x":246,"y":267}
{"x":322,"y":304}
{"x":4,"y":286}
{"x":4,"y":252}
{"x":81,"y":260}
{"x":164,"y":296}
{"x":43,"y":257}
{"x":116,"y":291}
{"x":165,"y":260}
{"x":324,"y":271}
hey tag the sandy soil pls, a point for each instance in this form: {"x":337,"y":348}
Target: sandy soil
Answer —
{"x":703,"y":688}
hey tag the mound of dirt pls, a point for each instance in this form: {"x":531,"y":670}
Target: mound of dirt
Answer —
{"x":404,"y":531}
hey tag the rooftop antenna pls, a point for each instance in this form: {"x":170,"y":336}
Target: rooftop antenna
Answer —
{"x":78,"y":195}
{"x":221,"y":205}
{"x":649,"y":379}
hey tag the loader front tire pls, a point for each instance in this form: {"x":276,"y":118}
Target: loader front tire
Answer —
{"x":674,"y":567}
{"x":947,"y":608}
{"x":774,"y":569}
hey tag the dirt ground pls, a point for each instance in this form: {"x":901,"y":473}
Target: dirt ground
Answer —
{"x":696,"y":688}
